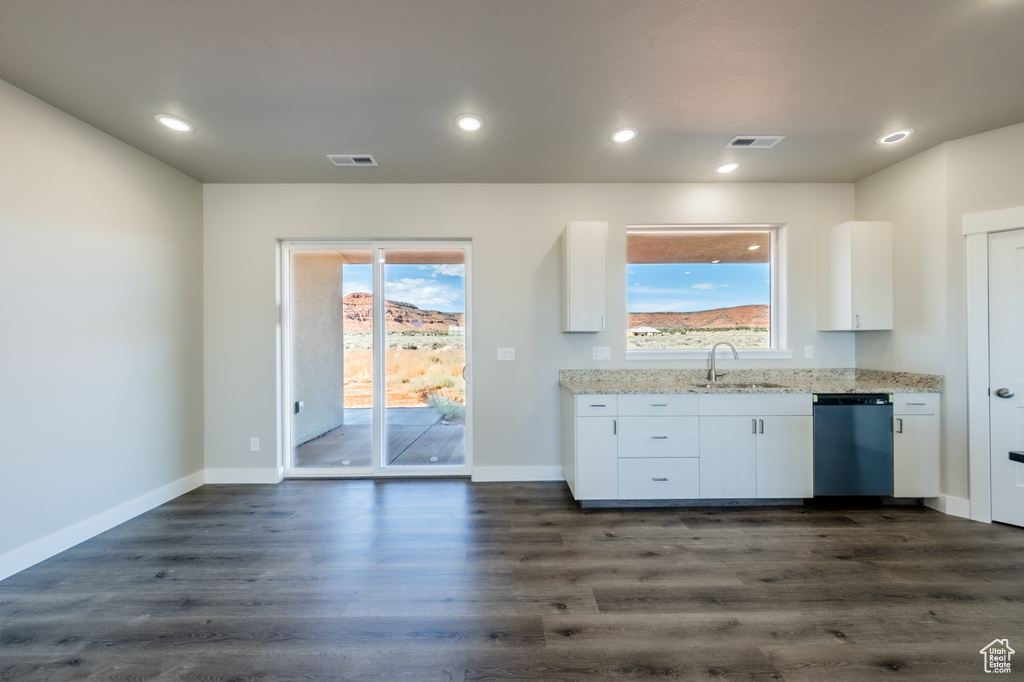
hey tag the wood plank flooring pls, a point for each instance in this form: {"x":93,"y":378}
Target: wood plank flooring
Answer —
{"x":451,"y":580}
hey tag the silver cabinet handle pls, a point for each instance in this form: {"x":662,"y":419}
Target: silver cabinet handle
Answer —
{"x":593,"y":405}
{"x":615,"y":427}
{"x":856,"y":319}
{"x":658,"y":478}
{"x":899,"y":425}
{"x":753,"y":426}
{"x":919,"y":404}
{"x":1005,"y":392}
{"x":660,"y":437}
{"x":659,"y":404}
{"x":760,"y":426}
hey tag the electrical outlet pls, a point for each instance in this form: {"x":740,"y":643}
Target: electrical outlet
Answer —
{"x":506,"y":354}
{"x":254,"y":444}
{"x":602,"y":352}
{"x":299,"y":405}
{"x":808,"y":352}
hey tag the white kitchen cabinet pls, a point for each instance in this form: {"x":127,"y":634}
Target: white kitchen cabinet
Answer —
{"x":756,"y":446}
{"x":855,"y":277}
{"x":728,"y":457}
{"x":659,"y":478}
{"x":584,"y":259}
{"x":785,"y":457}
{"x":915,"y":445}
{"x":590,"y":446}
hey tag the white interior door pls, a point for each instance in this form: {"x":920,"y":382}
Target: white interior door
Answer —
{"x":1006,"y":374}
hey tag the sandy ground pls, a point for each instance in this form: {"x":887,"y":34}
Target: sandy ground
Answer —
{"x":361,"y":395}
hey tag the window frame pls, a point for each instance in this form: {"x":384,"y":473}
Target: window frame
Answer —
{"x":778,"y":320}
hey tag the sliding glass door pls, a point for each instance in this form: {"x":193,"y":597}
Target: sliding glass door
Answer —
{"x":375,"y":368}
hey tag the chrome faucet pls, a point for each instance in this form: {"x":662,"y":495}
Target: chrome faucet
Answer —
{"x":712,"y":374}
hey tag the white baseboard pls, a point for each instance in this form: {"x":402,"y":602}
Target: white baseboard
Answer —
{"x":947,"y":504}
{"x":39,"y":550}
{"x":243,"y":476}
{"x":512,"y":474}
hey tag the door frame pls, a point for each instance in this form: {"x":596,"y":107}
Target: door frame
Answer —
{"x":285,"y":397}
{"x":976,"y":228}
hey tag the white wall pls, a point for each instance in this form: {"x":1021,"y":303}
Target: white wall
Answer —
{"x":515,"y":231}
{"x":913,"y":195}
{"x":927,"y":197}
{"x":100,"y":297}
{"x":318,"y":319}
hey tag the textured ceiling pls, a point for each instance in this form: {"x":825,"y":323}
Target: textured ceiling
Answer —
{"x":272,"y":86}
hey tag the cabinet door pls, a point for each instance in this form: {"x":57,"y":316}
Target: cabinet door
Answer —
{"x":727,"y":457}
{"x":584,"y":254}
{"x":915,"y":456}
{"x":871,"y":273}
{"x":596,"y":459}
{"x":785,"y":458}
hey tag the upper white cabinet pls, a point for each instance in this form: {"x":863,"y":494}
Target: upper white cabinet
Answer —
{"x":584,"y":258}
{"x":855,"y":274}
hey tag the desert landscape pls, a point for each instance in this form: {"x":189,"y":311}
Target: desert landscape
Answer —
{"x":745,"y":326}
{"x":426,"y":351}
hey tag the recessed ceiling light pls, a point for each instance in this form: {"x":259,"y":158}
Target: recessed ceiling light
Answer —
{"x":727,"y":168}
{"x":175,"y":123}
{"x":894,"y":137}
{"x":716,"y":261}
{"x":469,"y":122}
{"x":624,"y":134}
{"x":755,"y":247}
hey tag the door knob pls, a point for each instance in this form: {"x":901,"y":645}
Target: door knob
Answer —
{"x":1004,"y":392}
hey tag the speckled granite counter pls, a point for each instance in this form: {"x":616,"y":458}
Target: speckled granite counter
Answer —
{"x":578,"y":381}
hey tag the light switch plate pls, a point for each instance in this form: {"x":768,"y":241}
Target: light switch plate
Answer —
{"x":602,"y":352}
{"x":506,"y":354}
{"x":808,"y":352}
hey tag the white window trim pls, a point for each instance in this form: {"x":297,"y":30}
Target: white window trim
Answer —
{"x":779,"y":314}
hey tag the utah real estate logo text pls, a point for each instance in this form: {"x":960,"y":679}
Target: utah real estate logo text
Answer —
{"x":997,"y":656}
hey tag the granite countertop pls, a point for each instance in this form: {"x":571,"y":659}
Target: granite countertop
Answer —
{"x":842,"y":380}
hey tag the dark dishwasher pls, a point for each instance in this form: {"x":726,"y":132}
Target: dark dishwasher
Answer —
{"x":852,"y":444}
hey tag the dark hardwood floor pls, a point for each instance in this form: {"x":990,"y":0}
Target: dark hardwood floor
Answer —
{"x":450,"y":580}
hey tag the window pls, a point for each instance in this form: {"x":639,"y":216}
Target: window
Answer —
{"x":691,"y":286}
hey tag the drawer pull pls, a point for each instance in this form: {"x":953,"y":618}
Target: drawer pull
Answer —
{"x":659,"y":478}
{"x":660,"y":437}
{"x":920,"y":404}
{"x":659,"y":404}
{"x":593,"y":405}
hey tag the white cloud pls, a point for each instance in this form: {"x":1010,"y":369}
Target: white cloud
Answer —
{"x":446,"y":269}
{"x":427,"y":294}
{"x":709,"y":285}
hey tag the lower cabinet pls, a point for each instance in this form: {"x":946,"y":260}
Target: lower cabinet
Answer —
{"x":756,"y":446}
{"x":678,"y":447}
{"x":723,"y":446}
{"x":659,"y":478}
{"x":915,"y":445}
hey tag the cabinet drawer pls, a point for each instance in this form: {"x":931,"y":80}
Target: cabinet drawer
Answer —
{"x":762,"y":405}
{"x":914,"y":403}
{"x":597,"y":405}
{"x":659,"y":479}
{"x":658,"y":437}
{"x":655,"y":404}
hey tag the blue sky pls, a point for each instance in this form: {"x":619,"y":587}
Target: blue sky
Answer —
{"x":688,"y":287}
{"x":429,"y":287}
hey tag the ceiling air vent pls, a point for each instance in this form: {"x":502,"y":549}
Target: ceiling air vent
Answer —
{"x":754,"y":141}
{"x":352,"y":159}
